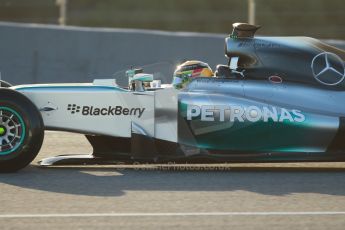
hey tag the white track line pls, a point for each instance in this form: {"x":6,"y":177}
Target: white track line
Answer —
{"x":168,"y":214}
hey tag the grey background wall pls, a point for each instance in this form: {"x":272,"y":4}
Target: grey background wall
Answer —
{"x":46,"y":54}
{"x":317,"y":18}
{"x":37,"y":53}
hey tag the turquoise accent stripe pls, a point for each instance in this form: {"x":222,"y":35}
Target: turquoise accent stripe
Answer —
{"x":23,"y":127}
{"x":70,"y":88}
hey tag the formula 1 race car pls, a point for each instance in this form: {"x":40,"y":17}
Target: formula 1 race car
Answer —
{"x":279,"y":99}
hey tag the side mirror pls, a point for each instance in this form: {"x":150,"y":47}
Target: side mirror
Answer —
{"x":137,"y":82}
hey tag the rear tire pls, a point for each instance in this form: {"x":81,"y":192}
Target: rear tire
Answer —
{"x":21,"y":131}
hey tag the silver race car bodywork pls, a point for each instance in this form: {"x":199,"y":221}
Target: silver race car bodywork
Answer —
{"x":278,"y":99}
{"x":104,"y":110}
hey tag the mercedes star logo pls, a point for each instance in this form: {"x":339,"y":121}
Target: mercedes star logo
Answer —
{"x":328,"y":68}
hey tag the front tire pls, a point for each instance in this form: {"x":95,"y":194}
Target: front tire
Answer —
{"x":21,"y":131}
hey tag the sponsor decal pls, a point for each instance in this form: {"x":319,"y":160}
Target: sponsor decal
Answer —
{"x":235,"y":113}
{"x":105,"y":111}
{"x":328,"y":69}
{"x":258,"y":44}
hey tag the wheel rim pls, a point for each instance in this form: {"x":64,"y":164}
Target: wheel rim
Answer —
{"x":12,"y":130}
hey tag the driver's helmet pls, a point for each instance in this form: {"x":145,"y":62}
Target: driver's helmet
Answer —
{"x":188,"y":70}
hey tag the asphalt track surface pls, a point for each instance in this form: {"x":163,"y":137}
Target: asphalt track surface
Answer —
{"x":235,"y":196}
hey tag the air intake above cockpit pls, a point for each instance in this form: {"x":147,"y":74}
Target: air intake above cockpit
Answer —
{"x":244,"y":30}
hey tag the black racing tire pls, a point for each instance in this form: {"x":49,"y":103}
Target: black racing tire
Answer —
{"x":21,"y":131}
{"x":5,"y":84}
